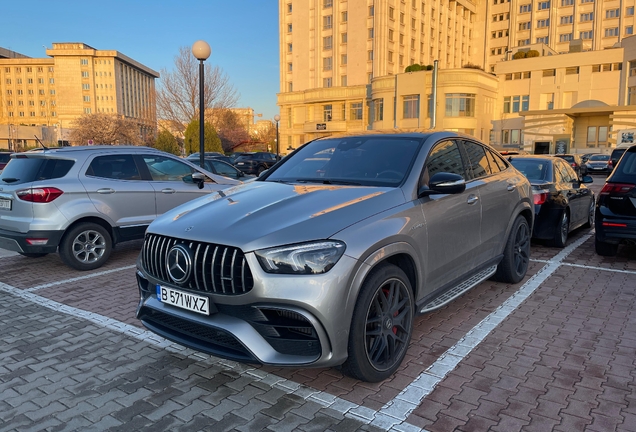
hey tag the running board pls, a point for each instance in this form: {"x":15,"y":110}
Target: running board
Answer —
{"x":451,"y":294}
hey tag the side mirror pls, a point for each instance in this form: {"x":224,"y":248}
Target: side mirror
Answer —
{"x":199,"y":179}
{"x":443,"y":183}
{"x":587,"y":179}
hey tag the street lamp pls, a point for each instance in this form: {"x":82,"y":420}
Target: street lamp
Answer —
{"x":201,"y":51}
{"x":277,"y":119}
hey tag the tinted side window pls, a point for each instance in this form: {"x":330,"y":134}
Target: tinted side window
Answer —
{"x":24,"y":170}
{"x":54,"y":168}
{"x":166,"y":169}
{"x":492,"y":161}
{"x":117,"y":167}
{"x":627,"y":167}
{"x":567,"y":172}
{"x":477,"y":159}
{"x":445,"y":157}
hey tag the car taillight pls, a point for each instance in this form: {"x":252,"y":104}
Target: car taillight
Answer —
{"x":616,"y":188}
{"x":39,"y":195}
{"x":540,"y":197}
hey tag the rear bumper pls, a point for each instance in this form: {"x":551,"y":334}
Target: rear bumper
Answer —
{"x":614,"y":234}
{"x":17,"y":242}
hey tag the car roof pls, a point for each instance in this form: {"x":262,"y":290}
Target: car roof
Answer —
{"x":72,"y":149}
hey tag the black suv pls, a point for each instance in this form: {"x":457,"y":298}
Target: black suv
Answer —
{"x":255,"y":163}
{"x":615,"y":220}
{"x":615,"y":156}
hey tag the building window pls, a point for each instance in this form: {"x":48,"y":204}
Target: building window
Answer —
{"x":629,"y":11}
{"x":609,"y":32}
{"x":356,"y":111}
{"x":574,"y":70}
{"x":543,"y":23}
{"x":567,"y":2}
{"x":51,"y":81}
{"x":289,"y":8}
{"x":343,"y":59}
{"x":567,"y":19}
{"x":543,"y":5}
{"x":549,"y":72}
{"x":585,"y":17}
{"x":516,"y":103}
{"x":327,"y":22}
{"x":289,"y":67}
{"x":411,"y":106}
{"x":371,"y":11}
{"x":86,"y":86}
{"x":327,"y":42}
{"x":460,"y":105}
{"x":522,"y":42}
{"x":391,"y":13}
{"x":327,"y":111}
{"x":343,"y":38}
{"x":327,"y":3}
{"x":544,"y":40}
{"x":612,"y":13}
{"x":290,"y":87}
{"x":565,"y":37}
{"x":344,"y":16}
{"x":326,"y":63}
{"x":371,"y":33}
{"x":370,"y":55}
{"x":84,"y":62}
{"x":289,"y":28}
{"x":631,"y":96}
{"x":326,"y":82}
{"x":343,"y":81}
{"x":587,"y":1}
{"x":289,"y":47}
{"x":391,"y":35}
{"x":586,"y":35}
{"x":524,"y":25}
{"x":378,"y":109}
{"x":87,"y":110}
{"x":629,"y":30}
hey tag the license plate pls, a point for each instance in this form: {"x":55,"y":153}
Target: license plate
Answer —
{"x":241,"y":163}
{"x":183,"y":300}
{"x":5,"y":204}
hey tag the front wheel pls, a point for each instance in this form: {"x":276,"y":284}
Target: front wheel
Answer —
{"x":381,"y":326}
{"x":86,"y":246}
{"x":514,"y":264}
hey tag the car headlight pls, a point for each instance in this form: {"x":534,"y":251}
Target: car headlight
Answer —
{"x":305,"y":258}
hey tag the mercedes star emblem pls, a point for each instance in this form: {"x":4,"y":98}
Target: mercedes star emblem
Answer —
{"x":179,"y":263}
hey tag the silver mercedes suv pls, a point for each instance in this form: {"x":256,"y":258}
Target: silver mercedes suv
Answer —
{"x":328,"y":256}
{"x":84,"y":200}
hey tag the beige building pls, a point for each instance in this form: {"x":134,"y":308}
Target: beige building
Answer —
{"x":43,"y":96}
{"x":340,"y":73}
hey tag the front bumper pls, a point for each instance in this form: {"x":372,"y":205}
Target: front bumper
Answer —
{"x":17,"y":242}
{"x":284,"y":320}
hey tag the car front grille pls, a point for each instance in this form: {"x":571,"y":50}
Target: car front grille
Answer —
{"x":216,"y":269}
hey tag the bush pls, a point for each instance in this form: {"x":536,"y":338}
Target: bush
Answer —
{"x":472,"y":66}
{"x":414,"y":68}
{"x":532,"y":53}
{"x":430,"y":67}
{"x":519,"y":55}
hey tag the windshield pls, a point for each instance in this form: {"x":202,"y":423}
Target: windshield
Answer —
{"x":599,"y":157}
{"x":367,"y":161}
{"x":532,"y":169}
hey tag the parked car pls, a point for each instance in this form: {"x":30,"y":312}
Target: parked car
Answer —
{"x":576,"y":162}
{"x":598,"y":164}
{"x":4,"y":159}
{"x":615,"y":156}
{"x":220,"y":167}
{"x":194,"y":157}
{"x":255,"y":163}
{"x":326,"y":258}
{"x":586,"y":156}
{"x":84,"y":200}
{"x":562,"y":203}
{"x":616,"y":207}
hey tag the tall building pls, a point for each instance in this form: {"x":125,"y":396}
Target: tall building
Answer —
{"x":48,"y":94}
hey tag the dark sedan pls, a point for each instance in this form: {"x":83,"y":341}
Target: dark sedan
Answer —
{"x":598,"y":164}
{"x":217,"y":166}
{"x":255,"y":163}
{"x":576,"y":162}
{"x":616,"y":209}
{"x":562,"y":202}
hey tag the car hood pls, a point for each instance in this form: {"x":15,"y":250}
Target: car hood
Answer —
{"x":258,"y":215}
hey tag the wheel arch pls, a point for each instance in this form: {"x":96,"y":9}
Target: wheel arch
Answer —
{"x":96,"y":220}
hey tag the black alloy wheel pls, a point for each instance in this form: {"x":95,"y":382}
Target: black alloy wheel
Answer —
{"x":514,"y":264}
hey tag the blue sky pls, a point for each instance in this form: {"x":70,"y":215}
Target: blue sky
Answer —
{"x":243,"y":35}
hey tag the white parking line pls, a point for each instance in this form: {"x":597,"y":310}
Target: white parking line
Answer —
{"x":88,"y":276}
{"x":393,"y":415}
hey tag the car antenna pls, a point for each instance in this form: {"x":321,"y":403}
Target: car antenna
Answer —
{"x":41,"y":143}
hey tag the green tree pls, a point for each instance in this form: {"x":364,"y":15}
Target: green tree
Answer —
{"x":211,"y":141}
{"x":168,"y":143}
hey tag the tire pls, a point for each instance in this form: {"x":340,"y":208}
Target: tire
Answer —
{"x":381,"y":327}
{"x":590,"y":215}
{"x":605,"y":249}
{"x":86,"y":246}
{"x":260,"y":170}
{"x":33,"y":255}
{"x":561,"y":231}
{"x":514,"y":264}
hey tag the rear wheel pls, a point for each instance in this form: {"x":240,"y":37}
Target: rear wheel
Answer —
{"x":382,"y":325}
{"x":33,"y":255}
{"x":514,"y":264}
{"x":562,"y":230}
{"x":590,"y":215}
{"x":605,"y":249}
{"x":86,"y":246}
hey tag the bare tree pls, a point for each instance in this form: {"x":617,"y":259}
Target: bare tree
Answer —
{"x":178,"y":94}
{"x":105,"y":129}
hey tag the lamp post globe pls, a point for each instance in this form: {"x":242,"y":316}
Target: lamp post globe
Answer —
{"x":201,"y":51}
{"x":277,"y":119}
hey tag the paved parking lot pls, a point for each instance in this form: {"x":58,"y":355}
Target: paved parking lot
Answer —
{"x":555,"y":352}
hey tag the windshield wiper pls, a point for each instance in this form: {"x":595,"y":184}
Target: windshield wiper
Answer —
{"x":328,"y":181}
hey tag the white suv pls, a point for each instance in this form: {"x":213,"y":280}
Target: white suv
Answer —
{"x":84,"y":200}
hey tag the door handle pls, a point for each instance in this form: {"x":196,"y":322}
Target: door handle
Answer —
{"x":472,"y":199}
{"x":511,"y":187}
{"x":168,"y":191}
{"x":105,"y":191}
